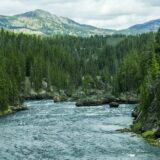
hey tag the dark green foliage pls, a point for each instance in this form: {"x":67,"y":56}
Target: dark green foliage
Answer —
{"x":158,"y":41}
{"x":67,"y":62}
{"x":136,"y":127}
{"x":150,"y":87}
{"x":144,"y":94}
{"x":4,"y":89}
{"x":128,"y":75}
{"x":61,"y":61}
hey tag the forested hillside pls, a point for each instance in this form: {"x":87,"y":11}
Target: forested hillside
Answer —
{"x":125,"y":63}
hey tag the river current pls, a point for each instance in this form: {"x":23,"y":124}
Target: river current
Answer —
{"x":61,"y":131}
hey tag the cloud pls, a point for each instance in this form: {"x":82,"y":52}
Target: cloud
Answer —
{"x":152,"y":2}
{"x":114,"y":14}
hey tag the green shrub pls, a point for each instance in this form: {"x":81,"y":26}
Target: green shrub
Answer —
{"x":149,"y":134}
{"x":136,"y":127}
{"x":6,"y":111}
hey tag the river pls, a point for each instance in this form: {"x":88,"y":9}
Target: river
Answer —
{"x":61,"y":131}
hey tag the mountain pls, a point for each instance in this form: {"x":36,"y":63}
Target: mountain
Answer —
{"x":45,"y":23}
{"x":151,"y":26}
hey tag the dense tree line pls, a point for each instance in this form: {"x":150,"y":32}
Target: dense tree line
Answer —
{"x":150,"y":87}
{"x":61,"y":61}
{"x":67,"y":62}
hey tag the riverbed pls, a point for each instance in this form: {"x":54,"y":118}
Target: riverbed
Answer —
{"x":62,"y":131}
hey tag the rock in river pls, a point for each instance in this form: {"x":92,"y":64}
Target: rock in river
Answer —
{"x":114,"y":105}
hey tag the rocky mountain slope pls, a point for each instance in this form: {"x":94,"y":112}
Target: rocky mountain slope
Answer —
{"x":45,"y":23}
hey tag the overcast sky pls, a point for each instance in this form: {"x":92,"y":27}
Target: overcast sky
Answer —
{"x":114,"y":14}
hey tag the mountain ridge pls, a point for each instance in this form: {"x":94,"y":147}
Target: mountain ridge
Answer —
{"x":45,"y":23}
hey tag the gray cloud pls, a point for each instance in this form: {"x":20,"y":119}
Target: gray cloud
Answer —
{"x":101,"y":13}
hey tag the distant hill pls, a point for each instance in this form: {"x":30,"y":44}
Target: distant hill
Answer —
{"x":151,"y":26}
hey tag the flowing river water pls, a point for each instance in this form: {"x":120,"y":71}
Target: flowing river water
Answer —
{"x":49,"y":131}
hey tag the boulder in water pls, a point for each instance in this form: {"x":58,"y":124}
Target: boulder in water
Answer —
{"x":114,"y":105}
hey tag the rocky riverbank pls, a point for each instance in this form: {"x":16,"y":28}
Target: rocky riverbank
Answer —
{"x":113,"y":101}
{"x":147,"y":118}
{"x":93,"y":97}
{"x":82,"y":97}
{"x":12,"y":109}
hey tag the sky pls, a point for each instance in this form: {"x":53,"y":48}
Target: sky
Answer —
{"x":111,"y":14}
